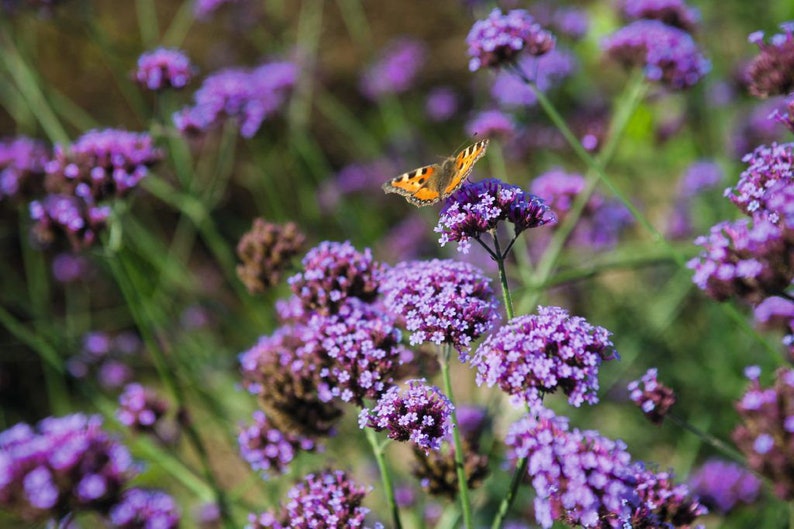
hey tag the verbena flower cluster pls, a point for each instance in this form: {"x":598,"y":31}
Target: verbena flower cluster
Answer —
{"x":533,"y":355}
{"x":767,"y":166}
{"x":777,"y":313}
{"x":105,"y":357}
{"x":141,"y":508}
{"x":269,"y":450}
{"x":771,"y":71}
{"x":140,"y":408}
{"x":654,"y":398}
{"x":478,"y":208}
{"x":266,"y":251}
{"x":442,"y":103}
{"x":491,"y":124}
{"x":396,"y":70}
{"x":544,"y":72}
{"x":164,"y":68}
{"x":674,"y":13}
{"x":69,"y":216}
{"x":500,"y":38}
{"x":22,"y":162}
{"x":722,"y":485}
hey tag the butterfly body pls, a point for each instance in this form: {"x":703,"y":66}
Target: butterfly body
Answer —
{"x":429,"y":184}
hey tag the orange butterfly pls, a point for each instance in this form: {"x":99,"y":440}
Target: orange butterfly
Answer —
{"x":429,"y":184}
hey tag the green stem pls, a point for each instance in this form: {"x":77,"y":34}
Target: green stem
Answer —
{"x":710,"y":439}
{"x":515,"y":481}
{"x":465,"y":502}
{"x":147,"y":22}
{"x":385,"y":476}
{"x":500,"y":261}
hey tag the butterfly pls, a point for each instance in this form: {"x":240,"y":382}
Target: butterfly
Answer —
{"x":429,"y":184}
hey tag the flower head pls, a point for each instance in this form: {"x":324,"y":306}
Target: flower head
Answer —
{"x":79,"y":221}
{"x":440,"y":301}
{"x":395,"y":71}
{"x":654,"y":398}
{"x":698,"y":177}
{"x":661,"y":502}
{"x":442,"y":103}
{"x":545,"y":72}
{"x":766,"y":167}
{"x":140,"y":408}
{"x":141,"y":508}
{"x":770,"y":72}
{"x":498,"y":39}
{"x":532,"y":355}
{"x":266,"y":251}
{"x":269,"y":450}
{"x":490,"y":124}
{"x":672,"y":12}
{"x":105,"y":356}
{"x":722,"y":485}
{"x":419,"y":414}
{"x":164,"y":68}
{"x":22,"y":163}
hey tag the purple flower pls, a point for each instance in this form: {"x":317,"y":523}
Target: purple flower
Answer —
{"x":662,"y":502}
{"x":766,"y":167}
{"x":498,"y":39}
{"x":140,"y":409}
{"x":269,"y":450}
{"x":654,"y":398}
{"x":440,"y":301}
{"x":395,"y":71}
{"x":441,"y":104}
{"x":491,"y":123}
{"x":770,"y":72}
{"x":722,"y":485}
{"x":329,"y":500}
{"x":22,"y":162}
{"x":532,"y":355}
{"x":164,"y":68}
{"x":145,"y":509}
{"x":406,"y":240}
{"x":419,"y":414}
{"x":698,"y":177}
{"x":333,"y":272}
{"x":204,"y":9}
{"x":672,"y":12}
{"x":247,"y":95}
{"x":545,"y":72}
{"x":477,"y":208}
{"x":567,"y":21}
{"x":764,"y":124}
{"x":103,"y":356}
{"x":667,"y":54}
{"x":68,"y":267}
{"x":73,"y":217}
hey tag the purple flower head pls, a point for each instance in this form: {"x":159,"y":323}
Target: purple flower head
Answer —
{"x":500,"y":38}
{"x":328,"y":500}
{"x":441,"y":104}
{"x":66,"y":464}
{"x":247,"y":95}
{"x":662,"y":502}
{"x":269,"y":450}
{"x":477,"y":208}
{"x":778,"y":313}
{"x":566,"y":21}
{"x":672,"y":12}
{"x":140,"y":409}
{"x":164,"y":68}
{"x":69,"y":267}
{"x":103,"y":356}
{"x":395,"y":71}
{"x":667,"y":54}
{"x":419,"y":414}
{"x":532,"y":355}
{"x":490,"y":124}
{"x":722,"y":485}
{"x":69,"y":216}
{"x":654,"y":398}
{"x":770,"y":73}
{"x":145,"y":509}
{"x":747,"y":259}
{"x":545,"y":72}
{"x":699,"y":177}
{"x":21,"y":167}
{"x":440,"y":301}
{"x":333,"y":272}
{"x":766,"y":167}
{"x":765,"y":429}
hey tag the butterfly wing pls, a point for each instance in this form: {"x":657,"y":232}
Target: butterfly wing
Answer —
{"x":413,"y":186}
{"x":464,"y":163}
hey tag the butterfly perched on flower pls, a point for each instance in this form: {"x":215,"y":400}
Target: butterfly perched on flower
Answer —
{"x":429,"y":184}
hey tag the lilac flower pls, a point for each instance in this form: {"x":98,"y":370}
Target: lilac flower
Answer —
{"x":750,"y":260}
{"x":266,"y":251}
{"x":490,"y":124}
{"x":247,"y":95}
{"x":333,"y":272}
{"x":68,"y":267}
{"x":698,"y":177}
{"x":329,"y":500}
{"x":764,"y":436}
{"x":672,"y":12}
{"x":66,"y":464}
{"x":419,"y":414}
{"x":770,"y":72}
{"x":208,"y":516}
{"x":532,"y":355}
{"x":164,"y":68}
{"x":654,"y":398}
{"x":722,"y":485}
{"x":140,"y":409}
{"x":767,"y":165}
{"x":145,"y":509}
{"x":395,"y":71}
{"x":662,"y":502}
{"x":73,"y":217}
{"x":479,"y":207}
{"x":440,"y":301}
{"x":545,"y":72}
{"x":441,"y":103}
{"x":22,"y":162}
{"x":104,"y":356}
{"x":269,"y":450}
{"x":667,"y":54}
{"x":498,"y":39}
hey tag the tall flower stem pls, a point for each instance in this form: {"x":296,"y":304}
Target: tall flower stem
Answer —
{"x":500,"y":262}
{"x":385,"y":476}
{"x":460,"y":471}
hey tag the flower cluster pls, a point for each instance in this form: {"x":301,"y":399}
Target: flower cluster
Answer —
{"x":140,"y":408}
{"x":21,"y":167}
{"x":567,"y":21}
{"x":66,"y":464}
{"x":104,"y":356}
{"x":770,"y":72}
{"x":544,"y":72}
{"x":778,"y":313}
{"x":247,"y":95}
{"x":667,"y":54}
{"x":532,"y":355}
{"x":140,"y":508}
{"x":267,"y":449}
{"x":164,"y":68}
{"x":674,"y":13}
{"x":266,"y":251}
{"x":419,"y":414}
{"x":767,"y":166}
{"x":70,"y":216}
{"x":441,"y":103}
{"x":722,"y":485}
{"x":329,"y":499}
{"x":765,"y":435}
{"x":654,"y":398}
{"x":500,"y":38}
{"x":478,"y":208}
{"x":661,"y":502}
{"x":491,"y":124}
{"x":395,"y":71}
{"x":440,"y":301}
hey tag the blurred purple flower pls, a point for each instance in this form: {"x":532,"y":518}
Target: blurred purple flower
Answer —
{"x":722,"y":485}
{"x":204,"y":9}
{"x":666,"y":54}
{"x":766,"y":167}
{"x":490,"y":124}
{"x":164,"y":68}
{"x":140,"y":408}
{"x":567,"y":21}
{"x":68,"y":267}
{"x":770,"y":72}
{"x":269,"y":450}
{"x":654,"y":398}
{"x":761,"y":126}
{"x":545,"y":72}
{"x":500,"y":38}
{"x":698,"y":177}
{"x":22,"y":163}
{"x":672,"y":12}
{"x":395,"y":71}
{"x":407,"y":240}
{"x":147,"y":509}
{"x":532,"y":355}
{"x":662,"y":502}
{"x":104,"y":356}
{"x":73,"y":217}
{"x":441,"y":104}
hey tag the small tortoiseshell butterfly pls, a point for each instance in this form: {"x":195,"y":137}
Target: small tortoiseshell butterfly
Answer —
{"x":429,"y":184}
